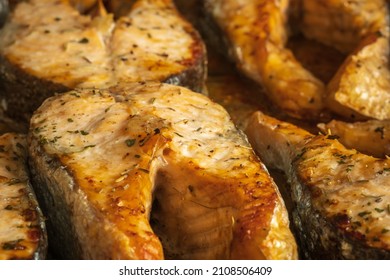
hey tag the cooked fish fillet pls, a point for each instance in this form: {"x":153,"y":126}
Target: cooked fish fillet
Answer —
{"x":343,"y":24}
{"x":370,"y":137}
{"x":124,"y":167}
{"x":361,"y":87}
{"x":342,"y":208}
{"x":22,"y":228}
{"x":49,"y":46}
{"x":256,"y":33}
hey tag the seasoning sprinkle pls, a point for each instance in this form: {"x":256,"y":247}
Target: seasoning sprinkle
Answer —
{"x":8,"y":207}
{"x":357,"y":224}
{"x":83,"y":132}
{"x":75,"y":94}
{"x":14,"y":181}
{"x":364,"y":213}
{"x":84,"y":41}
{"x":332,"y":137}
{"x":144,"y":170}
{"x":13,"y":245}
{"x":130,"y":142}
{"x":20,"y":146}
{"x":379,"y":210}
{"x":89,"y":146}
{"x":349,"y":168}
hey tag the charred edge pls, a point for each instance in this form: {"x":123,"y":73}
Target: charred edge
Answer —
{"x":194,"y":78}
{"x":324,"y":237}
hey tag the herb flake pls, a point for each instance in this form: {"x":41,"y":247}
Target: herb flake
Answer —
{"x":8,"y":207}
{"x":84,"y":41}
{"x":364,"y":213}
{"x":13,"y":245}
{"x":130,"y":142}
{"x":332,"y":137}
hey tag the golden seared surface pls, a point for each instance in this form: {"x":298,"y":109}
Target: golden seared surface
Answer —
{"x":257,"y":34}
{"x":128,"y":144}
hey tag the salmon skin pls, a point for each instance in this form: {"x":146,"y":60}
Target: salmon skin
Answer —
{"x":49,"y":46}
{"x":153,"y":171}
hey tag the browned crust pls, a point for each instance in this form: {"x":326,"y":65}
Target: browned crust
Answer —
{"x":324,"y":237}
{"x":194,"y":77}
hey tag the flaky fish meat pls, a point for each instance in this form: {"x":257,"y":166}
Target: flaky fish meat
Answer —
{"x":360,"y":28}
{"x":152,"y":171}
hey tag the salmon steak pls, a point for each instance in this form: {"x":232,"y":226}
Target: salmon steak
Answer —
{"x":152,"y":171}
{"x":50,"y":46}
{"x":341,"y":205}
